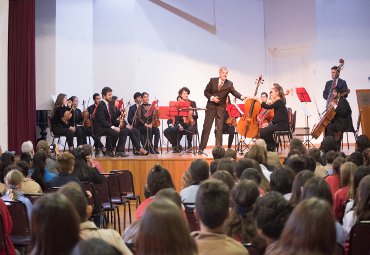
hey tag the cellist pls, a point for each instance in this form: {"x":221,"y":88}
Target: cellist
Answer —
{"x":280,"y":121}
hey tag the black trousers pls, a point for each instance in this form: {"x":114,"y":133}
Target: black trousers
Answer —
{"x":213,"y":112}
{"x":112,"y":137}
{"x":231,"y":131}
{"x":88,"y":132}
{"x":62,"y":131}
{"x":134,"y":135}
{"x":174,"y":135}
{"x":148,"y":133}
{"x":267,"y":134}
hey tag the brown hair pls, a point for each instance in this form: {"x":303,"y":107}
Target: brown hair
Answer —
{"x":280,"y":91}
{"x":164,"y":231}
{"x":299,"y":181}
{"x":258,"y":153}
{"x":58,"y":102}
{"x":66,"y":162}
{"x":12,"y":179}
{"x":347,"y":173}
{"x":310,"y":229}
{"x":362,"y":209}
{"x":43,"y":145}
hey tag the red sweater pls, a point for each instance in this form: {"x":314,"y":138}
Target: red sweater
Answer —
{"x":8,"y":225}
{"x":340,"y":197}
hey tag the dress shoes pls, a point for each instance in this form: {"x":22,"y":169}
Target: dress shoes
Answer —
{"x":141,"y":152}
{"x":200,"y":151}
{"x":121,"y":154}
{"x":156,"y":151}
{"x":109,"y":153}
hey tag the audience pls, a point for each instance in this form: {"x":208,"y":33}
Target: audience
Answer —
{"x":27,"y":147}
{"x":226,"y":164}
{"x":282,"y":181}
{"x":362,"y":143}
{"x":253,"y":175}
{"x":7,"y":159}
{"x":40,"y":173}
{"x":163,"y":230}
{"x":84,"y":168}
{"x":218,"y":152}
{"x":298,"y":183}
{"x":297,"y":144}
{"x":95,"y":246}
{"x":211,"y":208}
{"x":334,"y":179}
{"x":51,"y":163}
{"x":225,"y":177}
{"x":230,"y":153}
{"x":259,"y":154}
{"x":66,"y":163}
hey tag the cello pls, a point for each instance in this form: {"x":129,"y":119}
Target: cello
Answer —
{"x":329,"y":114}
{"x":248,"y":124}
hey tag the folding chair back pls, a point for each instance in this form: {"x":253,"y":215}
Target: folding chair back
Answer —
{"x":190,"y":216}
{"x":359,"y":238}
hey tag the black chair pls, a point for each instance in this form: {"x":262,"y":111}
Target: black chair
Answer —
{"x":359,"y":238}
{"x":252,"y":250}
{"x":98,"y":211}
{"x":56,"y":137}
{"x":279,"y":136}
{"x":21,"y":232}
{"x":192,"y":220}
{"x":126,"y":180}
{"x":3,"y":245}
{"x":103,"y":195}
{"x":33,"y":196}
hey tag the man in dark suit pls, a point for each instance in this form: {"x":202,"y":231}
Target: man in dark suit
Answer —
{"x":216,"y":92}
{"x":102,"y":123}
{"x":335,"y":82}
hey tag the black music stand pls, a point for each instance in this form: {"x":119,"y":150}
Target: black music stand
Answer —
{"x":304,"y":97}
{"x":148,"y":143}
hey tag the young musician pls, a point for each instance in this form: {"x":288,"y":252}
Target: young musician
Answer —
{"x":228,"y":127}
{"x":266,"y":115}
{"x":131,"y":118}
{"x":145,"y":125}
{"x":335,"y":82}
{"x":216,"y":92}
{"x":182,"y":125}
{"x":91,"y":108}
{"x":342,"y":121}
{"x":60,"y":117}
{"x":280,"y":121}
{"x":76,"y":121}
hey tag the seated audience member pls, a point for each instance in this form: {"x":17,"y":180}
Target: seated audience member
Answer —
{"x":320,"y":170}
{"x":270,"y":214}
{"x":13,"y":181}
{"x":163,"y":230}
{"x":309,"y":230}
{"x":362,"y":143}
{"x":243,"y":164}
{"x":54,"y":225}
{"x":334,"y":180}
{"x":213,"y":166}
{"x":26,"y":158}
{"x":361,"y":211}
{"x":310,"y":162}
{"x":226,"y":164}
{"x":130,"y":233}
{"x":199,"y":171}
{"x":225,"y":177}
{"x":6,"y":159}
{"x":230,"y":153}
{"x":27,"y":147}
{"x":240,"y":224}
{"x":40,"y":173}
{"x":282,"y":181}
{"x":218,"y":152}
{"x":318,"y":188}
{"x":88,"y":229}
{"x":259,"y":154}
{"x":88,"y":149}
{"x":347,"y":173}
{"x":84,"y":169}
{"x":51,"y":163}
{"x":361,"y":172}
{"x":28,"y":185}
{"x":366,"y":155}
{"x":328,"y":144}
{"x":296,"y":164}
{"x":253,"y":175}
{"x":297,"y":144}
{"x":212,"y":208}
{"x":357,"y":158}
{"x":272,"y":156}
{"x":170,"y":194}
{"x":291,"y":154}
{"x":330,"y":157}
{"x":158,"y":178}
{"x":94,"y":246}
{"x":66,"y":163}
{"x":7,"y":226}
{"x":298,"y":183}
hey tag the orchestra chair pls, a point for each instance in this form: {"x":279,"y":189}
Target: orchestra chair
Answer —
{"x":21,"y":232}
{"x":359,"y":238}
{"x":97,"y":213}
{"x":56,"y":136}
{"x":279,"y":136}
{"x":126,"y":180}
{"x":3,"y":245}
{"x":252,"y":250}
{"x":355,"y":132}
{"x":193,"y":222}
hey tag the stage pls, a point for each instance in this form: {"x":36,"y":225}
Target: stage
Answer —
{"x":173,"y":162}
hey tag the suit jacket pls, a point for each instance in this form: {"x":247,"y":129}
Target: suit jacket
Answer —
{"x":76,"y":118}
{"x":102,"y":118}
{"x":341,"y":87}
{"x":343,"y":116}
{"x":212,"y":90}
{"x":131,"y":113}
{"x":91,"y":109}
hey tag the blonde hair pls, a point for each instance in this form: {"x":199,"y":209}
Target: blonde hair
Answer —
{"x":12,"y":179}
{"x":347,"y":173}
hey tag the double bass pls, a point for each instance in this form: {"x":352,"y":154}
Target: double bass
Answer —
{"x":248,"y":124}
{"x":329,"y":114}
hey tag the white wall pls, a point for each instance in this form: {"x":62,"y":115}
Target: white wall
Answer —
{"x":4,"y":14}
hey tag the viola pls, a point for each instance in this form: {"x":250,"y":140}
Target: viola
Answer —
{"x":189,"y":120}
{"x":155,"y":118}
{"x":123,"y":110}
{"x":86,"y":121}
{"x":248,"y":124}
{"x":231,"y":121}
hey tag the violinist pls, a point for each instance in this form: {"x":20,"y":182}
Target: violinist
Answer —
{"x":118,"y":120}
{"x":60,"y":117}
{"x":89,"y":130}
{"x":229,"y":126}
{"x":266,"y":115}
{"x":76,"y":121}
{"x":144,"y":124}
{"x":180,"y":125}
{"x":132,"y":111}
{"x":280,"y":122}
{"x":91,"y":108}
{"x":342,"y":121}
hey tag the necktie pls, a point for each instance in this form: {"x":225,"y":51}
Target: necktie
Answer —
{"x":334,"y":83}
{"x":220,"y":85}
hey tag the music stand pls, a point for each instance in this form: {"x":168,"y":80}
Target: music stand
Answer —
{"x":148,"y":143}
{"x":304,"y":97}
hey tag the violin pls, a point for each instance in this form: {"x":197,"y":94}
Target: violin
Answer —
{"x":248,"y":124}
{"x":67,"y":115}
{"x":231,"y":121}
{"x":190,"y":118}
{"x":123,"y":110}
{"x":155,"y":118}
{"x":86,"y":121}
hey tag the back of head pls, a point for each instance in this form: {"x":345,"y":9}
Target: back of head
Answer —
{"x":357,"y":158}
{"x":317,"y":187}
{"x":331,"y":156}
{"x":6,"y":159}
{"x":164,"y":231}
{"x":65,"y":162}
{"x":271,"y":213}
{"x":13,"y":179}
{"x":281,"y":180}
{"x":199,"y":170}
{"x":298,"y":183}
{"x":94,"y":246}
{"x":212,"y":203}
{"x":243,"y":164}
{"x":251,"y":174}
{"x":315,"y":153}
{"x":24,"y":166}
{"x":25,"y":157}
{"x":257,"y":153}
{"x":88,"y":149}
{"x":366,"y":155}
{"x":226,"y":164}
{"x":43,"y":145}
{"x":297,"y":144}
{"x":170,"y":194}
{"x":297,"y":164}
{"x":310,"y":229}
{"x":329,"y":143}
{"x":159,"y":178}
{"x":361,"y":172}
{"x":39,"y":162}
{"x":347,"y":173}
{"x":213,"y":166}
{"x":362,"y":209}
{"x":218,"y":152}
{"x":310,"y":162}
{"x":230,"y":153}
{"x":225,"y":177}
{"x":54,"y":225}
{"x":243,"y":196}
{"x":27,"y":147}
{"x":337,"y":163}
{"x":74,"y":193}
{"x":362,"y":143}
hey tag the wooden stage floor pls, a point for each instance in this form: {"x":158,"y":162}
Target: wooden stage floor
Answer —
{"x":173,"y":162}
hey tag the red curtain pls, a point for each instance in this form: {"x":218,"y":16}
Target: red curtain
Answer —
{"x":21,"y":74}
